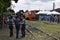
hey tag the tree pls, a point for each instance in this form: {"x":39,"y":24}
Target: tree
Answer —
{"x":21,"y":12}
{"x":4,"y":4}
{"x":10,"y":11}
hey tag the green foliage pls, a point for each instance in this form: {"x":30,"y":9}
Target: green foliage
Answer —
{"x":4,"y":4}
{"x":10,"y":10}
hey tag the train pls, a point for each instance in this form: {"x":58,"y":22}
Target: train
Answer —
{"x":31,"y":15}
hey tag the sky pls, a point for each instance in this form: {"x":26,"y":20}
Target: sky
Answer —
{"x":34,"y":5}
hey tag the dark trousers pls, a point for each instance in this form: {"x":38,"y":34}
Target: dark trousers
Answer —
{"x":17,"y":30}
{"x":23,"y":30}
{"x":11,"y":30}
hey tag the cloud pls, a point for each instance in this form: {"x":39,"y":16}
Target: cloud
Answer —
{"x":57,"y":5}
{"x":21,"y":1}
{"x":46,"y":0}
{"x":13,"y":3}
{"x":35,"y":5}
{"x":57,"y":0}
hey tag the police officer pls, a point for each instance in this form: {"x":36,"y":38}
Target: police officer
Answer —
{"x":23,"y":23}
{"x":17,"y":25}
{"x":10,"y":21}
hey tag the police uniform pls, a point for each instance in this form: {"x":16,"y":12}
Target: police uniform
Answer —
{"x":23,"y":27}
{"x":17,"y":25}
{"x":11,"y":25}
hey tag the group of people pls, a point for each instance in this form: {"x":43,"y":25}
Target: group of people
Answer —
{"x":17,"y":21}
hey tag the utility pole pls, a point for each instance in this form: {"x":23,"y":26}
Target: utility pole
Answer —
{"x":53,"y":6}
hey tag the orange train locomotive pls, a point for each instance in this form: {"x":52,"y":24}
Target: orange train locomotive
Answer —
{"x":31,"y":15}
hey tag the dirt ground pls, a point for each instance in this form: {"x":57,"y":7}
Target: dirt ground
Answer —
{"x":4,"y":35}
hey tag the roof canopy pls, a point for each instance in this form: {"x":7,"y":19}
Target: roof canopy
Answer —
{"x":43,"y":12}
{"x":48,"y":13}
{"x":54,"y":13}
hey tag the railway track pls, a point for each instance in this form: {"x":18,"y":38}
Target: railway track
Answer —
{"x":31,"y":29}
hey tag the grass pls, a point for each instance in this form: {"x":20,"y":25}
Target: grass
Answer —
{"x":51,"y":28}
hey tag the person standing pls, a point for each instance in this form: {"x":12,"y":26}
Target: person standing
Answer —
{"x":17,"y":25}
{"x":10,"y":22}
{"x":23,"y":23}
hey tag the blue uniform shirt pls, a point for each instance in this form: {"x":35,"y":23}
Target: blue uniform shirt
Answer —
{"x":17,"y":21}
{"x":10,"y":20}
